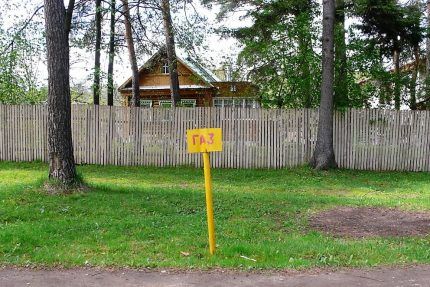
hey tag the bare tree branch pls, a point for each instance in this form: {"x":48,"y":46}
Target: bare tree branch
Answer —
{"x":22,"y":29}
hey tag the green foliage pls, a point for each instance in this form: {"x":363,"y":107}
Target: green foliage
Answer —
{"x":282,"y":52}
{"x":382,"y":20}
{"x":280,"y":49}
{"x":136,"y":216}
{"x":392,"y":24}
{"x":368,"y":77}
{"x":385,"y":26}
{"x":19,"y":54}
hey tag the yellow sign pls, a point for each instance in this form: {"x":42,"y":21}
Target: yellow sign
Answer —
{"x":204,"y":140}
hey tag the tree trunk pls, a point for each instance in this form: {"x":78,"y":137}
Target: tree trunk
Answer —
{"x":304,"y":48}
{"x":60,"y":145}
{"x":323,"y":157}
{"x":413,"y":86}
{"x":69,"y":13}
{"x":135,"y":97}
{"x":171,"y":54}
{"x":111,"y":53}
{"x":396,"y":62}
{"x":96,"y":85}
{"x":340,"y":78}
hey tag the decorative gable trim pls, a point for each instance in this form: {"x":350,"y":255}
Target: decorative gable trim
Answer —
{"x":196,"y":68}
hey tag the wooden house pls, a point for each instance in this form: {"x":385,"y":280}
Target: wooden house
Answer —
{"x":198,"y":86}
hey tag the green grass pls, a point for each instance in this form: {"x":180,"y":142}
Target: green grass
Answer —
{"x":135,"y":216}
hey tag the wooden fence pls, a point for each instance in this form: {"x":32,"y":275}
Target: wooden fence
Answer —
{"x":253,"y":138}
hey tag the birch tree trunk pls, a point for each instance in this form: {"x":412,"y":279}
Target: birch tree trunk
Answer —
{"x":96,"y":84}
{"x":323,"y":157}
{"x":60,"y":145}
{"x":135,"y":97}
{"x":111,"y":53}
{"x":171,"y":54}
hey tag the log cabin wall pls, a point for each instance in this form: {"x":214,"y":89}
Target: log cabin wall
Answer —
{"x":235,"y":89}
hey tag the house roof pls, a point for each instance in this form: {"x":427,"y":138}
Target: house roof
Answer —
{"x":198,"y":69}
{"x":202,"y":71}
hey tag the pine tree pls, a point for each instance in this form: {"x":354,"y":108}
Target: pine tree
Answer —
{"x":60,"y":145}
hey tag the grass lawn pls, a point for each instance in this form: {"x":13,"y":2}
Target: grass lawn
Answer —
{"x":136,"y":216}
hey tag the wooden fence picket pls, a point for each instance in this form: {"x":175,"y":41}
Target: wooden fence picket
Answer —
{"x":253,"y":138}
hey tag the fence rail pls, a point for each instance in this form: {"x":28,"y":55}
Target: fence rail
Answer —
{"x":253,"y":138}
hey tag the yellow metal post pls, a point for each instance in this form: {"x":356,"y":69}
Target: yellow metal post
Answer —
{"x":209,"y":202}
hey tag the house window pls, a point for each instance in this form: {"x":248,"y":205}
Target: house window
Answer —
{"x":146,"y":103}
{"x":189,"y":103}
{"x":228,"y":102}
{"x":165,"y":68}
{"x":251,"y":103}
{"x":218,"y":102}
{"x":235,"y":102}
{"x":233,"y":88}
{"x":166,"y":104}
{"x":239,"y":103}
{"x":223,"y":102}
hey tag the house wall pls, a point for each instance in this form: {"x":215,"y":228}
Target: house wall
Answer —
{"x":242,"y":89}
{"x":155,"y":77}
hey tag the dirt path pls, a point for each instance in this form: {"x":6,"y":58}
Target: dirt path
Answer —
{"x":411,"y":276}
